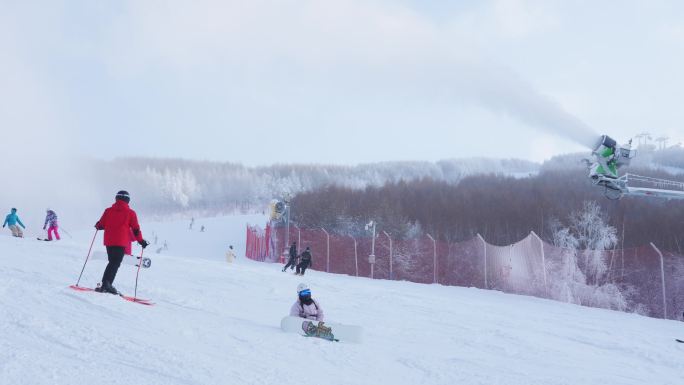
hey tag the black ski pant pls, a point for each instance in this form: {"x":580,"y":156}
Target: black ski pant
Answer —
{"x":301,"y":268}
{"x":115,"y":255}
{"x":290,"y":263}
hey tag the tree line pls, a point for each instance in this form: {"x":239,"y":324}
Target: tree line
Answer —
{"x":503,"y":209}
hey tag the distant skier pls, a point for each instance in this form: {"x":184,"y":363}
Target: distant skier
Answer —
{"x":306,"y":307}
{"x":292,"y":258}
{"x":192,"y":222}
{"x":11,"y":220}
{"x":305,"y":261}
{"x":51,"y":220}
{"x":230,"y":254}
{"x":202,"y":229}
{"x":117,"y":222}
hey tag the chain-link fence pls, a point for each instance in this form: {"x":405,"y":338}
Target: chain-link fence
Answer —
{"x":642,"y":280}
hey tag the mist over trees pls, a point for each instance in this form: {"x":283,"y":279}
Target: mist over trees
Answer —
{"x":169,"y":186}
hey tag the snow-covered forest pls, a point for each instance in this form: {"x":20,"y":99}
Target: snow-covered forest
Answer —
{"x":168,"y":186}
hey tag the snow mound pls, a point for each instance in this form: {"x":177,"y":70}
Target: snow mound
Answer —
{"x":218,"y":323}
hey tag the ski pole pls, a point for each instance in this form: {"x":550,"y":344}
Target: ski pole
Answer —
{"x":67,"y":233}
{"x":135,"y":293}
{"x":87,"y":256}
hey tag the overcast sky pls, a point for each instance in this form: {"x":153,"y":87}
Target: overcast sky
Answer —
{"x":334,"y":81}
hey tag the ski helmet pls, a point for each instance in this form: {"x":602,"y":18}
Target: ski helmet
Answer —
{"x":123,"y":196}
{"x":303,"y":287}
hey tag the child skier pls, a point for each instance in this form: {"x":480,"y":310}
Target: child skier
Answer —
{"x":304,"y":261}
{"x":117,"y":222}
{"x":306,"y":307}
{"x":11,"y":220}
{"x":230,"y":254}
{"x":51,"y":219}
{"x":292,"y":258}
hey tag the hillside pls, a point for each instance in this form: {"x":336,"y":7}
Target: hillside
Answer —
{"x":216,"y":323}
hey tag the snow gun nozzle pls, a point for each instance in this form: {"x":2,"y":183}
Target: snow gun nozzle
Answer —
{"x":605,"y":141}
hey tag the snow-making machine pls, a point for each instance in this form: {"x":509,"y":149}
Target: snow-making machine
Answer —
{"x":609,"y":157}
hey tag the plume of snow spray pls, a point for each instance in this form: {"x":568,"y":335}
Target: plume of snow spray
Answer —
{"x":503,"y":91}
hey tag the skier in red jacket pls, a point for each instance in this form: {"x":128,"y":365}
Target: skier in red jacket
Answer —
{"x":117,"y":222}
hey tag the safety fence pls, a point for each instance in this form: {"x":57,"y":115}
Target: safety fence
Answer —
{"x":642,"y":280}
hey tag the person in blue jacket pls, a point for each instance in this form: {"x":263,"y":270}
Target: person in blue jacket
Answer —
{"x":11,"y":220}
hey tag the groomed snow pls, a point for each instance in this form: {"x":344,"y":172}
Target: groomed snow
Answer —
{"x":216,"y":323}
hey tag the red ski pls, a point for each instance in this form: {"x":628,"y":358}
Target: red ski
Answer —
{"x":127,"y":298}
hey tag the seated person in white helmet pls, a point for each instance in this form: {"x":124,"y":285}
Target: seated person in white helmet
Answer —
{"x":306,"y":307}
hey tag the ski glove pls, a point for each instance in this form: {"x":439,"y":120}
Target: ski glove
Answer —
{"x":143,"y":243}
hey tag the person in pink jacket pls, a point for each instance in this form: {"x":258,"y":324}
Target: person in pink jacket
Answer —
{"x":51,"y":219}
{"x":306,"y":307}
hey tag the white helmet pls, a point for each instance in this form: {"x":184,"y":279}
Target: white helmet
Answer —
{"x":301,"y":287}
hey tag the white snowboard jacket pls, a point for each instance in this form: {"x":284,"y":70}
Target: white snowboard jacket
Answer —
{"x":312,"y":312}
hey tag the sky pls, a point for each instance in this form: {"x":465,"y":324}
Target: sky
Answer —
{"x":335,"y":81}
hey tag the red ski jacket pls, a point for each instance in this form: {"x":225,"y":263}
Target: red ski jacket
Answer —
{"x":117,"y":223}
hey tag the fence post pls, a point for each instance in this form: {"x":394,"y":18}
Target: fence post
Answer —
{"x":662,"y":278}
{"x":356,"y":257}
{"x":371,"y":258}
{"x":327,"y":261}
{"x":434,"y":259}
{"x":484,"y":247}
{"x":391,"y":276}
{"x":541,"y":246}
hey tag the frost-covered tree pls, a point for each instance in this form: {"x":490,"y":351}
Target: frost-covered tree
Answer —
{"x":579,"y":276}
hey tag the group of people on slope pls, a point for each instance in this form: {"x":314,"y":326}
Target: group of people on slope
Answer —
{"x":15,"y":225}
{"x":120,"y":225}
{"x":120,"y":220}
{"x":301,"y":261}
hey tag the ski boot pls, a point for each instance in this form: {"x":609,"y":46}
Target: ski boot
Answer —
{"x":107,"y":287}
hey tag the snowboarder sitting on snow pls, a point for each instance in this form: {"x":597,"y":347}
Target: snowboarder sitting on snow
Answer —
{"x":292,"y":258}
{"x":306,"y":307}
{"x":51,"y":219}
{"x":304,"y":261}
{"x":11,"y":220}
{"x":117,"y":222}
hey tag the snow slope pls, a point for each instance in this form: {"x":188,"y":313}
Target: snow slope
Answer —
{"x":216,"y":323}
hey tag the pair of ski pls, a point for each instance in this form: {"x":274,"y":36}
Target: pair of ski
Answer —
{"x":141,"y":301}
{"x":140,"y":262}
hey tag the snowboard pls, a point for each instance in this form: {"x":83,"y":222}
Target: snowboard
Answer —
{"x":680,"y":341}
{"x":327,"y":331}
{"x":128,"y":259}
